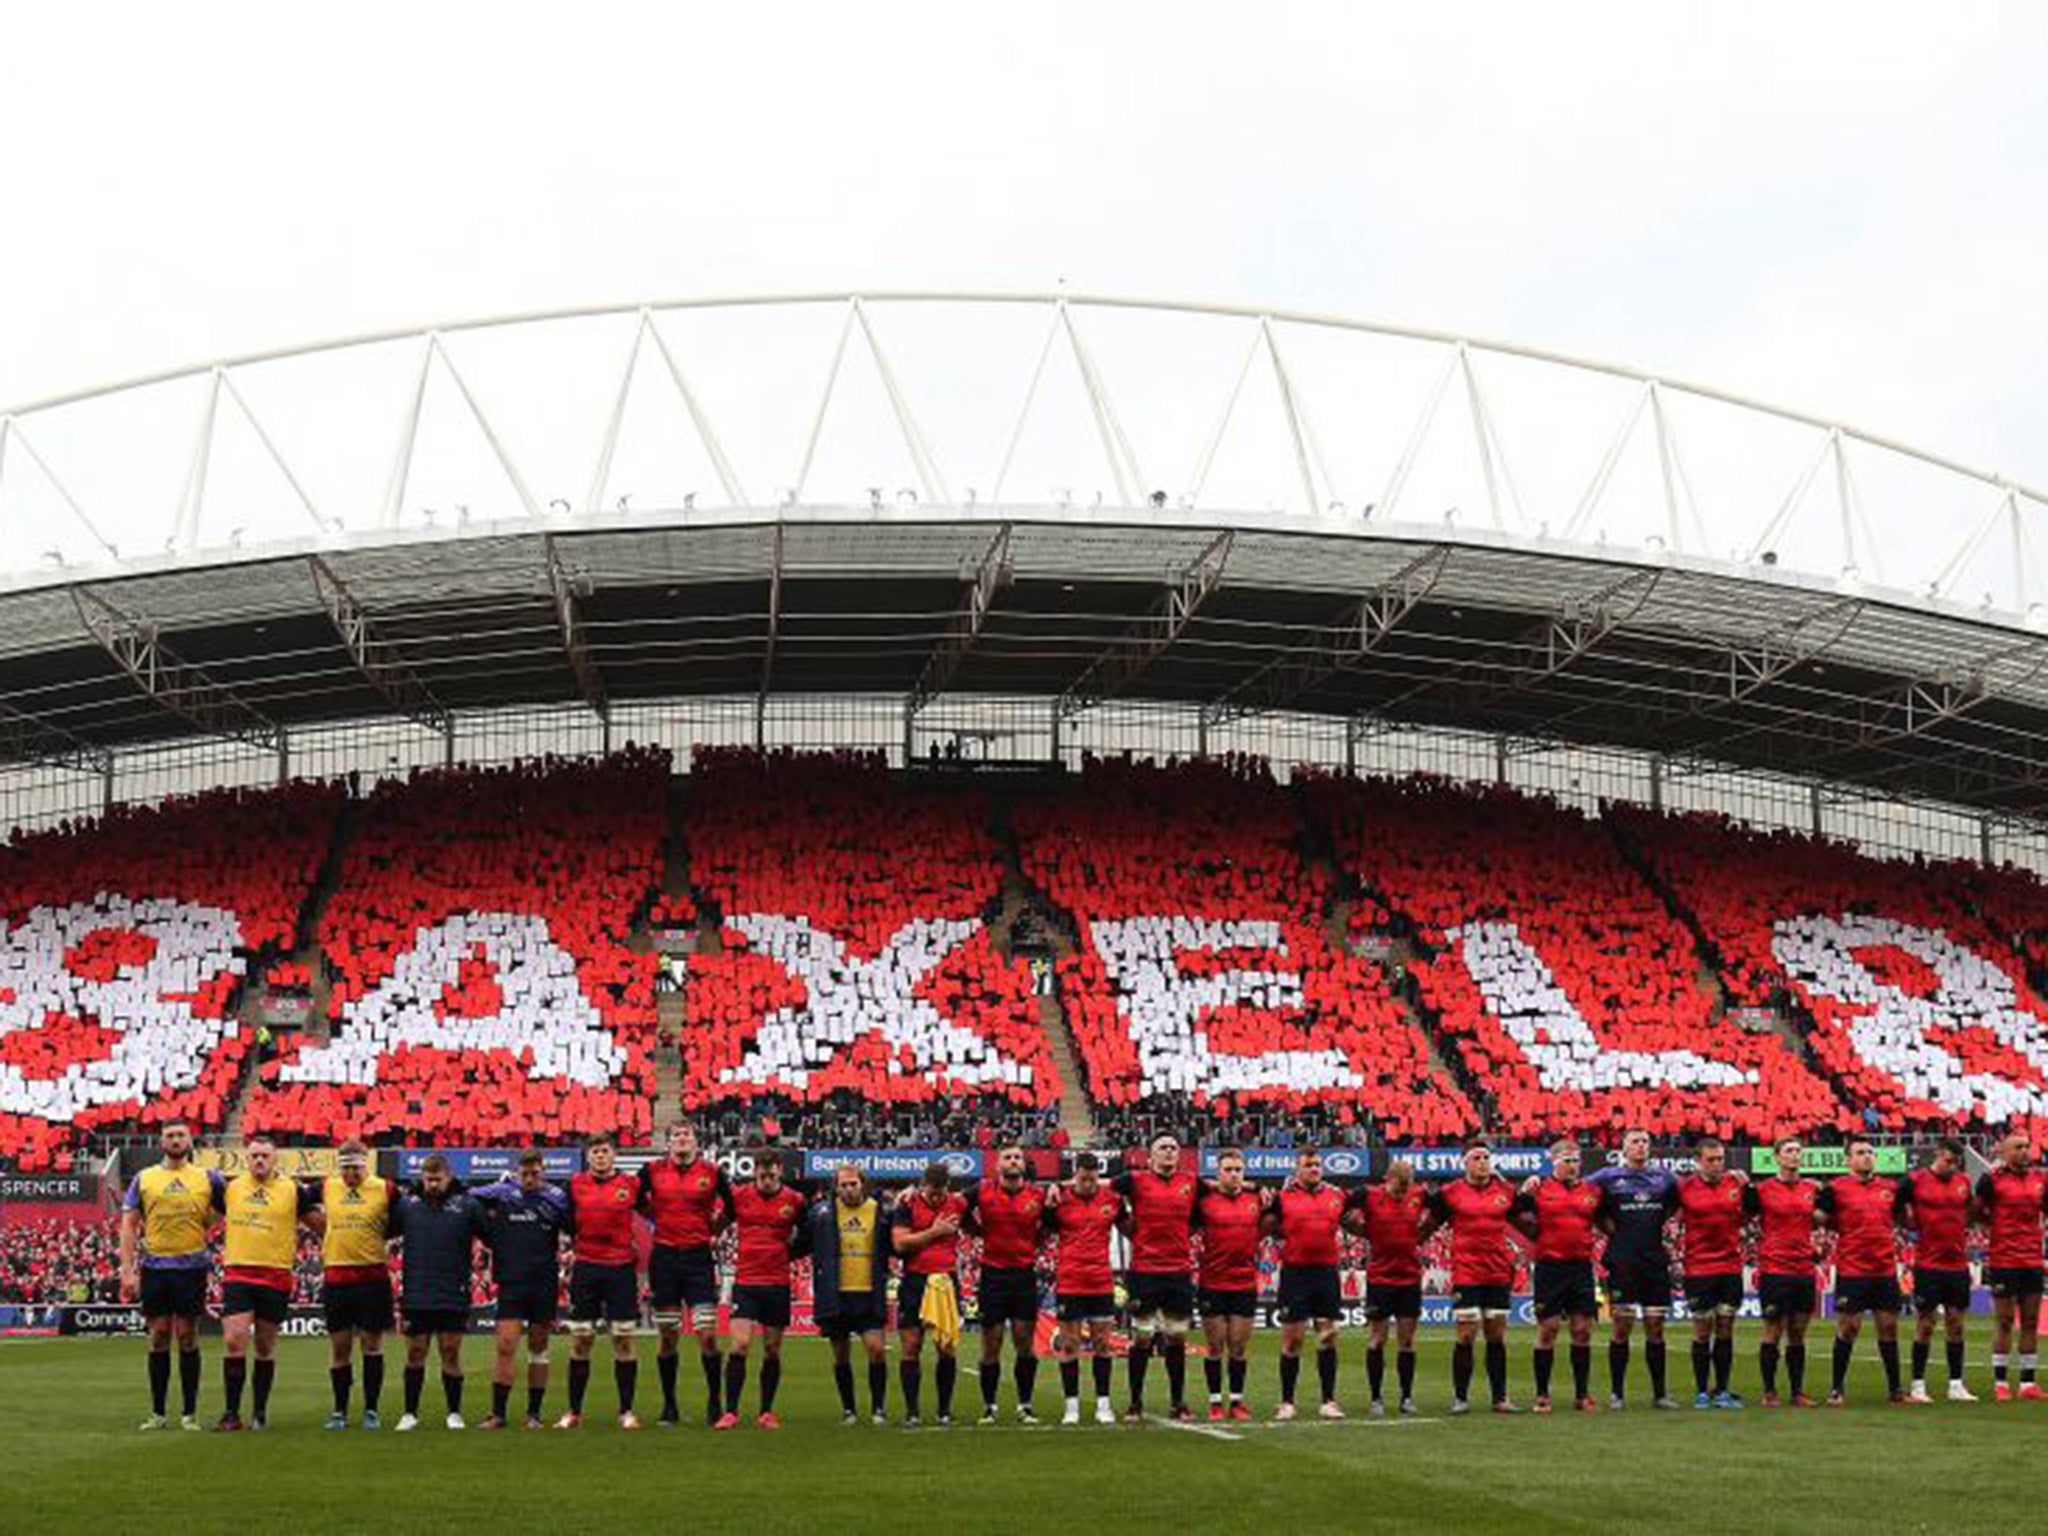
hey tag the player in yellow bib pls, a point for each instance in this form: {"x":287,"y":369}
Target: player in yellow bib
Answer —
{"x":264,"y":1211}
{"x":165,"y":1217}
{"x":355,"y":1276}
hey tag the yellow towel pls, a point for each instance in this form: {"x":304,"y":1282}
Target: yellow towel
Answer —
{"x":940,"y":1310}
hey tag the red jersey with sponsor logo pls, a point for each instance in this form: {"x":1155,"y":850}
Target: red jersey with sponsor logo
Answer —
{"x":2014,"y":1202}
{"x":766,"y":1223}
{"x":1564,"y":1218}
{"x":604,"y":1217}
{"x":1161,"y":1212}
{"x":1008,"y":1221}
{"x":1866,"y":1213}
{"x":1393,"y":1229}
{"x":688,"y":1204}
{"x":1310,"y":1223}
{"x":1083,"y":1226}
{"x":1478,"y":1214}
{"x":916,"y":1212}
{"x":1713,"y":1214}
{"x":1941,"y":1218}
{"x":1231,"y":1233}
{"x":1784,"y":1210}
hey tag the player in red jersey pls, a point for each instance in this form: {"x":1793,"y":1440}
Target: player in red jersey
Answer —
{"x":1938,"y":1198}
{"x":924,"y":1228}
{"x":604,"y":1290}
{"x":769,"y":1215}
{"x":1393,"y":1217}
{"x":1161,"y":1201}
{"x":1785,"y":1207}
{"x":1710,"y":1203}
{"x":1231,"y":1216}
{"x":1082,"y":1216}
{"x":687,"y":1198}
{"x":1006,"y":1213}
{"x":1477,"y":1206}
{"x":1559,"y":1214}
{"x":2011,"y":1197}
{"x":1864,"y":1209}
{"x":1308,"y":1215}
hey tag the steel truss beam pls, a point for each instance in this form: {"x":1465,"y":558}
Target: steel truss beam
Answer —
{"x":380,"y":661}
{"x":179,"y":687}
{"x":991,"y":574}
{"x":568,"y":593}
{"x":1126,"y":660}
{"x":28,"y":738}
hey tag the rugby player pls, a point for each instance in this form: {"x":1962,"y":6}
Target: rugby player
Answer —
{"x":1393,"y":1217}
{"x":687,"y":1198}
{"x":355,"y":1283}
{"x":1477,"y":1206}
{"x":924,"y":1227}
{"x":1639,"y":1199}
{"x":524,"y":1222}
{"x":438,"y":1225}
{"x":2011,"y":1197}
{"x":1558,"y":1214}
{"x":604,"y":1289}
{"x":1710,"y":1203}
{"x":1231,"y":1218}
{"x":769,"y":1216}
{"x":1161,"y":1202}
{"x":1785,"y":1207}
{"x":1006,"y":1212}
{"x":264,"y":1211}
{"x":850,"y":1285}
{"x":1863,"y":1210}
{"x":1937,"y":1200}
{"x":1081,"y":1217}
{"x":1308,"y":1215}
{"x":165,"y":1216}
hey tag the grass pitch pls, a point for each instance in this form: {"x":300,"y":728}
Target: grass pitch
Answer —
{"x":71,"y":1459}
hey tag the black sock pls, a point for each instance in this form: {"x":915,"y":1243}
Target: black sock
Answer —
{"x":735,"y":1380}
{"x":1026,"y":1372}
{"x":1070,"y":1379}
{"x":1290,"y":1374}
{"x":1702,"y":1363}
{"x":579,"y":1383}
{"x":501,"y":1398}
{"x":1922,"y":1348}
{"x":1541,"y":1360}
{"x":949,"y":1373}
{"x":1177,"y":1371}
{"x":1582,"y":1370}
{"x":1795,"y":1367}
{"x":1461,"y":1370}
{"x":373,"y":1381}
{"x":666,"y":1366}
{"x":2026,"y":1369}
{"x":991,"y":1383}
{"x":842,"y":1378}
{"x":343,"y":1380}
{"x":451,"y":1391}
{"x":1326,"y":1371}
{"x":714,"y":1386}
{"x":878,"y":1386}
{"x":2000,"y":1369}
{"x":1888,"y":1352}
{"x":415,"y":1384}
{"x":1376,"y":1370}
{"x":1212,"y":1374}
{"x":535,"y":1396}
{"x":1724,"y":1362}
{"x":1103,"y":1372}
{"x":1653,"y":1353}
{"x":260,"y":1380}
{"x":1617,"y":1366}
{"x":1843,"y":1349}
{"x":771,"y":1378}
{"x":159,"y":1381}
{"x":1404,"y":1367}
{"x":233,"y":1373}
{"x":1134,"y":1366}
{"x":911,"y":1374}
{"x":626,"y":1377}
{"x":1497,"y":1368}
{"x":1237,"y":1370}
{"x":188,"y":1377}
{"x":1767,"y":1364}
{"x":1955,"y":1360}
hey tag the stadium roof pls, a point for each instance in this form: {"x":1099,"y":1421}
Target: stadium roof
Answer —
{"x":1461,"y":534}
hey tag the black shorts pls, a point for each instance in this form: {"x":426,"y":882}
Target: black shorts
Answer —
{"x":529,"y":1303}
{"x":857,"y":1315}
{"x":682,"y":1277}
{"x":1879,"y":1293}
{"x":910,"y":1299}
{"x":603,"y":1293}
{"x":1564,"y":1288}
{"x":1007,"y":1296}
{"x":1933,"y":1288}
{"x":1782,"y":1296}
{"x":360,"y":1305}
{"x":1229,"y":1303}
{"x":420,"y":1322}
{"x":2014,"y":1284}
{"x":767,"y":1305}
{"x":1644,"y":1283}
{"x":1384,"y":1300}
{"x":1708,"y":1295}
{"x":1167,"y":1295}
{"x":1309,"y":1292}
{"x":1086,"y":1307}
{"x":173,"y":1292}
{"x":270,"y":1304}
{"x":1481,"y":1298}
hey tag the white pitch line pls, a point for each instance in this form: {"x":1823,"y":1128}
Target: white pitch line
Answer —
{"x":1195,"y":1429}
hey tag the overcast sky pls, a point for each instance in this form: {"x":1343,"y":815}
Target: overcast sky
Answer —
{"x":1837,"y":207}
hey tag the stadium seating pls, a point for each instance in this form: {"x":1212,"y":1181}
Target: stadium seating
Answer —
{"x":1205,"y":973}
{"x":483,"y":989}
{"x":1919,"y":1000}
{"x":1569,"y":989}
{"x":122,"y":947}
{"x":856,"y":957}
